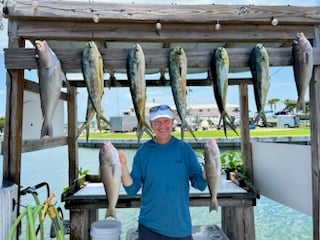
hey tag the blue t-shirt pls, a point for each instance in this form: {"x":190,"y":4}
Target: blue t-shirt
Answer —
{"x":164,"y":172}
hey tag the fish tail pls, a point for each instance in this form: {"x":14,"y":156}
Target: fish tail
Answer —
{"x":143,"y":126}
{"x":300,"y":105}
{"x":261,"y":115}
{"x":213,"y":204}
{"x":189,"y":129}
{"x":227,"y":122}
{"x":87,"y":131}
{"x":111,"y":212}
{"x":46,"y":129}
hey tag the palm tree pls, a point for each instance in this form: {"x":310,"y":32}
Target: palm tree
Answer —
{"x":290,"y":105}
{"x":273,"y":103}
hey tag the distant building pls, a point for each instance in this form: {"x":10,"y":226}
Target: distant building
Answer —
{"x":196,"y":111}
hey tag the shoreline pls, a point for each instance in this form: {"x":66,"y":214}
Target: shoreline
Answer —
{"x":229,"y":143}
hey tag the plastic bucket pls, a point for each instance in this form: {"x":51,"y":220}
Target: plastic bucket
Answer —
{"x":105,"y":230}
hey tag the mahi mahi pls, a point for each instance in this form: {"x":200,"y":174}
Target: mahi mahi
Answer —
{"x":92,"y":70}
{"x":110,"y":172}
{"x":51,"y":77}
{"x":259,"y":66}
{"x":212,"y":169}
{"x":136,"y":76}
{"x":178,"y":74}
{"x":220,"y":70}
{"x":302,"y":53}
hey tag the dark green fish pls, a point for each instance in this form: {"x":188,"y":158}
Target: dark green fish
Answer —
{"x":92,"y":70}
{"x":178,"y":80}
{"x":136,"y":76}
{"x":259,"y":66}
{"x":220,"y":70}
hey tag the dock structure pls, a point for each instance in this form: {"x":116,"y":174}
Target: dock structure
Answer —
{"x":115,"y":27}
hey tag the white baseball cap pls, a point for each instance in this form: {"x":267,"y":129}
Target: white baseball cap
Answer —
{"x":160,"y":111}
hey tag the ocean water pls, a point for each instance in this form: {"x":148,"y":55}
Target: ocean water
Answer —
{"x":272,"y":220}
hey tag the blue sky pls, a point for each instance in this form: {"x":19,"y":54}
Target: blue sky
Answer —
{"x":116,"y":100}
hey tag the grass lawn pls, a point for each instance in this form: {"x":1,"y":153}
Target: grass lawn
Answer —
{"x":258,"y":132}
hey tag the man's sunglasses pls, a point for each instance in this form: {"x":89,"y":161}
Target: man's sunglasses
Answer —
{"x":160,"y":107}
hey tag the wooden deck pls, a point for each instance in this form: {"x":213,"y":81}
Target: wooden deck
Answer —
{"x":87,"y":196}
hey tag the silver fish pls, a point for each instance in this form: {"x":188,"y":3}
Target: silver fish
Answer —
{"x":302,"y":53}
{"x":178,"y":81}
{"x":136,"y":76}
{"x":220,"y":70}
{"x":51,"y":77}
{"x":92,"y":70}
{"x":110,"y":172}
{"x":259,"y":66}
{"x":213,"y":170}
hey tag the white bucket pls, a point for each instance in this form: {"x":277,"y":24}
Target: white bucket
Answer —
{"x":105,"y":230}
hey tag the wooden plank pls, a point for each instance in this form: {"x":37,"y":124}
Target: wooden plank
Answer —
{"x":314,"y":91}
{"x":170,"y":32}
{"x":34,"y":87}
{"x":43,"y":143}
{"x":113,"y":12}
{"x":155,"y":58}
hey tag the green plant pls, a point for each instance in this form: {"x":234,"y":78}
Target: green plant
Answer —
{"x":231,"y":161}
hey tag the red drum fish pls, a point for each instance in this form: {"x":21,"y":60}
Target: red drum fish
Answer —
{"x":51,"y":77}
{"x":110,"y":172}
{"x":213,"y":170}
{"x":302,"y":53}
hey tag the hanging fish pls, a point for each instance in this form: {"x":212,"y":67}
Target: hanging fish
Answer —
{"x":92,"y":70}
{"x":212,"y":168}
{"x":259,"y":66}
{"x":110,"y":172}
{"x":51,"y":77}
{"x":136,"y":76}
{"x":302,"y":53}
{"x":178,"y":80}
{"x":220,"y":69}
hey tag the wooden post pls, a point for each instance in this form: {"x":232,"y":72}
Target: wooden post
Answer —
{"x":315,"y":140}
{"x":72,"y":134}
{"x":238,"y":222}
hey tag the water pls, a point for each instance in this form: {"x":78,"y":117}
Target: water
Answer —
{"x":272,"y":220}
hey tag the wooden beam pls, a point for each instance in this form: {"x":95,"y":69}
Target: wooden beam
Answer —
{"x":115,"y":59}
{"x":44,"y":143}
{"x":167,"y":13}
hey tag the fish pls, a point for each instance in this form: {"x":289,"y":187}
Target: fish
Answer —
{"x":302,"y":54}
{"x":51,"y":77}
{"x":110,"y":172}
{"x":136,"y":75}
{"x":92,"y":70}
{"x":259,"y":67}
{"x":220,"y":69}
{"x":178,"y":80}
{"x":212,"y":168}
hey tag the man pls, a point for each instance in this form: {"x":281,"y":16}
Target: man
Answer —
{"x":163,"y":168}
